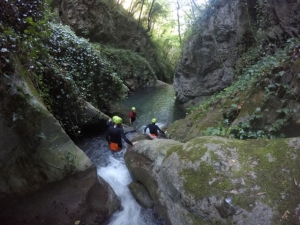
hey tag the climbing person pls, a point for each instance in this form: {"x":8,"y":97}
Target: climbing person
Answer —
{"x":132,"y":116}
{"x":115,"y":134}
{"x":153,"y":129}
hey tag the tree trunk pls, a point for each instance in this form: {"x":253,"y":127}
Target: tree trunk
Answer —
{"x":178,"y":22}
{"x":143,"y":2}
{"x":150,"y":14}
{"x":133,"y":5}
{"x":192,"y":9}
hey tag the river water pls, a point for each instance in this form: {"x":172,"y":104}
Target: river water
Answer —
{"x":155,"y":102}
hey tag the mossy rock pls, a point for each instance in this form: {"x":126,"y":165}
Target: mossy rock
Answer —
{"x":225,"y":181}
{"x":194,"y":124}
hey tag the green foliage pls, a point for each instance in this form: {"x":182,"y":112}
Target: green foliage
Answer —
{"x":159,"y":24}
{"x":23,"y":28}
{"x":127,"y":64}
{"x":65,"y":69}
{"x":218,"y":131}
{"x":92,"y":76}
{"x":78,"y":73}
{"x":270,"y":73}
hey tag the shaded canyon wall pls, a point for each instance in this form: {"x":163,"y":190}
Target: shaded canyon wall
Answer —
{"x":213,"y":57}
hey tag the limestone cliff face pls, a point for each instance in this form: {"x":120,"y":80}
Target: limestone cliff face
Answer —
{"x":213,"y":57}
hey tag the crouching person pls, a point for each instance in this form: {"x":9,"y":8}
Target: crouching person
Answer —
{"x":115,"y":134}
{"x":153,"y":129}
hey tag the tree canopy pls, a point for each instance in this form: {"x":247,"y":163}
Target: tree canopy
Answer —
{"x":168,"y":22}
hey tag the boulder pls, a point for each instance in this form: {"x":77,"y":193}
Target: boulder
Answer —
{"x":213,"y":180}
{"x":44,"y":178}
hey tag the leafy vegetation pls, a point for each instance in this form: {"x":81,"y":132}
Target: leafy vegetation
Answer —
{"x":23,"y":29}
{"x":271,"y":75}
{"x":91,"y":75}
{"x":64,"y":69}
{"x":167,"y":31}
{"x":128,"y":64}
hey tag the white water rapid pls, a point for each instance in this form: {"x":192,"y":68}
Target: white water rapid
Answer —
{"x":111,"y":167}
{"x":118,"y":177}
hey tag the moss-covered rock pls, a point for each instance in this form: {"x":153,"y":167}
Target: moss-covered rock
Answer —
{"x":211,"y":180}
{"x":195,"y":124}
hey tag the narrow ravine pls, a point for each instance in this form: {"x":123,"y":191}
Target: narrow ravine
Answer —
{"x":154,"y":102}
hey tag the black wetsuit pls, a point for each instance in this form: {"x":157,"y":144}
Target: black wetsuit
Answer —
{"x":115,"y":135}
{"x":153,"y":129}
{"x":110,"y":123}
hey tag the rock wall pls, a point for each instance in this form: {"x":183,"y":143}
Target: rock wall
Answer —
{"x":44,"y":177}
{"x":213,"y":57}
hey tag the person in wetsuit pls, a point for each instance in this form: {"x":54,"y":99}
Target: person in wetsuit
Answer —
{"x":115,"y":134}
{"x":111,"y":123}
{"x":153,"y":128}
{"x":132,"y":116}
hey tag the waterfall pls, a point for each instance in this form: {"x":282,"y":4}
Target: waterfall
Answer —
{"x":118,"y":177}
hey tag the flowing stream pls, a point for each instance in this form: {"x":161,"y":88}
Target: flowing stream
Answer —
{"x":155,"y":102}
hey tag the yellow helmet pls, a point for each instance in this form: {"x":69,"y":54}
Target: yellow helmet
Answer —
{"x":133,"y":108}
{"x":153,"y":120}
{"x":118,"y":120}
{"x":114,"y":118}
